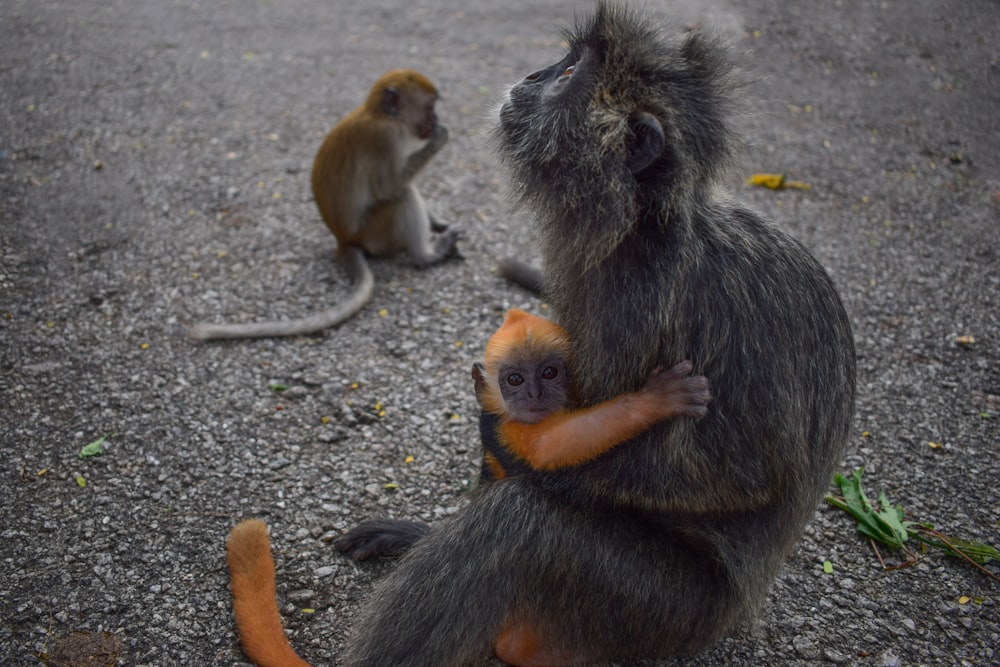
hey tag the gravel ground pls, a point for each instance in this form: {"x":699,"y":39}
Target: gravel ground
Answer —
{"x":154,"y":164}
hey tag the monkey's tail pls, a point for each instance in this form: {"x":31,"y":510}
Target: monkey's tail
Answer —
{"x":519,"y":273}
{"x":251,"y":571}
{"x":354,"y":262}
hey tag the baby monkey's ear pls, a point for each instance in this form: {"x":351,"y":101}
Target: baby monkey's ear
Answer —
{"x":479,"y":375}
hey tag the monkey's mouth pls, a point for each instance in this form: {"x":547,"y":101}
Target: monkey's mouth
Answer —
{"x":533,"y":416}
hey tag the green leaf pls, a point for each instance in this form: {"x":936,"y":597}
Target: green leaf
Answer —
{"x":885,"y":526}
{"x":96,"y":448}
{"x":277,"y":386}
{"x":827,"y":567}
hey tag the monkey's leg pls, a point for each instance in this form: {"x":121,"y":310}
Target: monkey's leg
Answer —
{"x":608,"y":585}
{"x":437,"y":225}
{"x":411,"y":225}
{"x":521,"y":273}
{"x":523,"y":646}
{"x":380,"y":537}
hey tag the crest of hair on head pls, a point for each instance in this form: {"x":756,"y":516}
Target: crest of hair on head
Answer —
{"x":521,"y":336}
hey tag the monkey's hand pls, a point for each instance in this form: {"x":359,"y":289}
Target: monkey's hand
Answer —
{"x":439,"y":135}
{"x":415,"y":162}
{"x":376,"y":538}
{"x":681,"y":393}
{"x":447,"y":243}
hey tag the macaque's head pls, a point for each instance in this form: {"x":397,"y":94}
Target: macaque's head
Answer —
{"x":408,"y":96}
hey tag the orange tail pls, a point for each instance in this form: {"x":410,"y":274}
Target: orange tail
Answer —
{"x":251,"y":570}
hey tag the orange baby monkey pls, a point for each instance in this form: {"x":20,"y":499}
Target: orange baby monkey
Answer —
{"x":528,"y":421}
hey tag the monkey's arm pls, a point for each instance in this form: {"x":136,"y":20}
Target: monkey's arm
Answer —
{"x":572,"y":437}
{"x":416,"y":161}
{"x":380,"y":537}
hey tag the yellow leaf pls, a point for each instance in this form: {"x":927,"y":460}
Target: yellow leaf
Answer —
{"x":383,"y":312}
{"x":308,"y":610}
{"x":324,"y":420}
{"x":771,"y":181}
{"x":934,"y":445}
{"x":80,"y":481}
{"x":144,"y":346}
{"x":408,"y":459}
{"x":42,"y":471}
{"x":390,"y":486}
{"x":964,"y":599}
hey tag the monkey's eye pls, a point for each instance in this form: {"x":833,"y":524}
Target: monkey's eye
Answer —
{"x":550,"y":373}
{"x":515,"y":379}
{"x":569,"y":70}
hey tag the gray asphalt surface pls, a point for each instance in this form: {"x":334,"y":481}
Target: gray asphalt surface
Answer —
{"x":154,"y":161}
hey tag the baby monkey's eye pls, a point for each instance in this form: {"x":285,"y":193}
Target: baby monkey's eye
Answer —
{"x":515,"y":379}
{"x":550,"y":373}
{"x":569,"y":70}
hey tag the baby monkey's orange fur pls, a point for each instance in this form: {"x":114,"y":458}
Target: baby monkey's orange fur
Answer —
{"x":531,"y":425}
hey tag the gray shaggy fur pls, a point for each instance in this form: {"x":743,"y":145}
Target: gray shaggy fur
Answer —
{"x":665,"y":544}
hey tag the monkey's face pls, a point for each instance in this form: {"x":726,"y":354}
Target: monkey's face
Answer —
{"x":533,"y":389}
{"x":419,"y":114}
{"x":544,"y":112}
{"x":413,"y":106}
{"x":628,"y":126}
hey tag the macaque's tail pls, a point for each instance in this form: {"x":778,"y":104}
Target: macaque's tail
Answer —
{"x":251,"y":571}
{"x":362,"y":288}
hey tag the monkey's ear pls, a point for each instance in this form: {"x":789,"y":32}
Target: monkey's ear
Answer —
{"x":479,"y":375}
{"x":646,"y":143}
{"x":390,"y":101}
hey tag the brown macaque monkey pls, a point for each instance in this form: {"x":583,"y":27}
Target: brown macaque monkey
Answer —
{"x":670,"y":541}
{"x":362,"y":183}
{"x":528,"y":422}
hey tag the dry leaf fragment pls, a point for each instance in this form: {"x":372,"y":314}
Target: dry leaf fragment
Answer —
{"x":777,"y":182}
